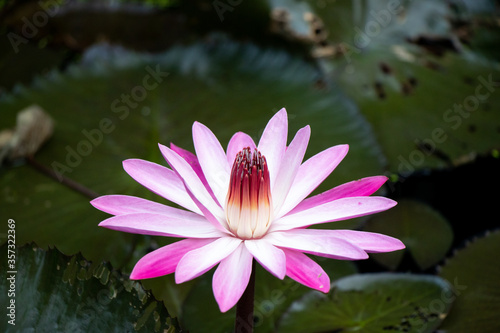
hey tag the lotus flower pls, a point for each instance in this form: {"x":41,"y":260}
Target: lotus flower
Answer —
{"x":248,"y":202}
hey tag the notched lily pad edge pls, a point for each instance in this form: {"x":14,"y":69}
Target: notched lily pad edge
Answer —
{"x":82,"y":269}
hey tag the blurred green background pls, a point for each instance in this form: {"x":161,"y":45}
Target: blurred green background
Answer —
{"x":411,"y":86}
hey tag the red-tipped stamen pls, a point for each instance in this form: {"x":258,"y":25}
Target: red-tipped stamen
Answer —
{"x":248,"y":203}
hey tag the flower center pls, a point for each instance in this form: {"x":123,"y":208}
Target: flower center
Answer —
{"x":248,"y":202}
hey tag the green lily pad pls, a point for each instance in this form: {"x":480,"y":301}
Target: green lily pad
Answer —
{"x":48,"y":291}
{"x":372,"y":303}
{"x":474,"y":273}
{"x":426,"y":233}
{"x":274,"y":296}
{"x":173,"y":295}
{"x":431,"y":132}
{"x":429,"y":97}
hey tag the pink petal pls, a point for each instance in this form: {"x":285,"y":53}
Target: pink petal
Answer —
{"x":124,"y":204}
{"x":289,"y":166}
{"x":220,"y":224}
{"x":272,"y":143}
{"x":231,"y":278}
{"x":312,"y":173}
{"x":213,"y":160}
{"x":357,"y":188}
{"x":192,"y":182}
{"x":321,"y":244}
{"x":269,"y":256}
{"x":239,"y":141}
{"x":193,"y":161}
{"x":161,"y":181}
{"x":369,"y":241}
{"x":341,"y":209}
{"x":161,"y":225}
{"x":164,"y":260}
{"x":199,"y":261}
{"x":306,"y":271}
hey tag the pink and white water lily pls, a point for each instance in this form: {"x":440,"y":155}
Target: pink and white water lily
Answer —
{"x":243,"y":203}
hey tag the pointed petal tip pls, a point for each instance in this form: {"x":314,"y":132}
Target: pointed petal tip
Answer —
{"x":282,"y":115}
{"x":340,"y":151}
{"x":398,"y":245}
{"x":180,"y":278}
{"x":198,"y":126}
{"x":324,"y":288}
{"x":161,"y":146}
{"x":103,"y":224}
{"x":381,"y":178}
{"x":391,"y":203}
{"x":94,"y":202}
{"x":226,"y":304}
{"x":344,"y":147}
{"x":127,"y":162}
{"x":135,"y":275}
{"x":195,"y":125}
{"x":384,"y":202}
{"x":306,"y":129}
{"x":391,"y":244}
{"x":97,"y":202}
{"x":165,"y":151}
{"x":224,"y":308}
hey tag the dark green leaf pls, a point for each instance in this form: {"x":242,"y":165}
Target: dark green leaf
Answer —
{"x":426,"y":234}
{"x":57,"y":293}
{"x":372,"y":303}
{"x":424,"y":87}
{"x":474,"y":273}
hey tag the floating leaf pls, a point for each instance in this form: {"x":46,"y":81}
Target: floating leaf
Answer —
{"x":173,"y":295}
{"x":57,"y":293}
{"x":474,"y":273}
{"x":426,"y":233}
{"x":429,"y":97}
{"x":372,"y":303}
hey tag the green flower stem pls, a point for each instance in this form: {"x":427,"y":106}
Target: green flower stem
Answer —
{"x":244,"y":308}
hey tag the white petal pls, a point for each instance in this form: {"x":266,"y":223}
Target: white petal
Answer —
{"x":341,"y":209}
{"x":357,"y":188}
{"x":311,"y":173}
{"x":321,"y":244}
{"x":161,"y":225}
{"x":213,"y":160}
{"x":306,"y":271}
{"x":269,"y":256}
{"x":123,"y":204}
{"x":199,"y":261}
{"x":272,"y":143}
{"x":239,"y":141}
{"x":192,"y":182}
{"x":160,"y":180}
{"x":289,"y":166}
{"x":231,"y":277}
